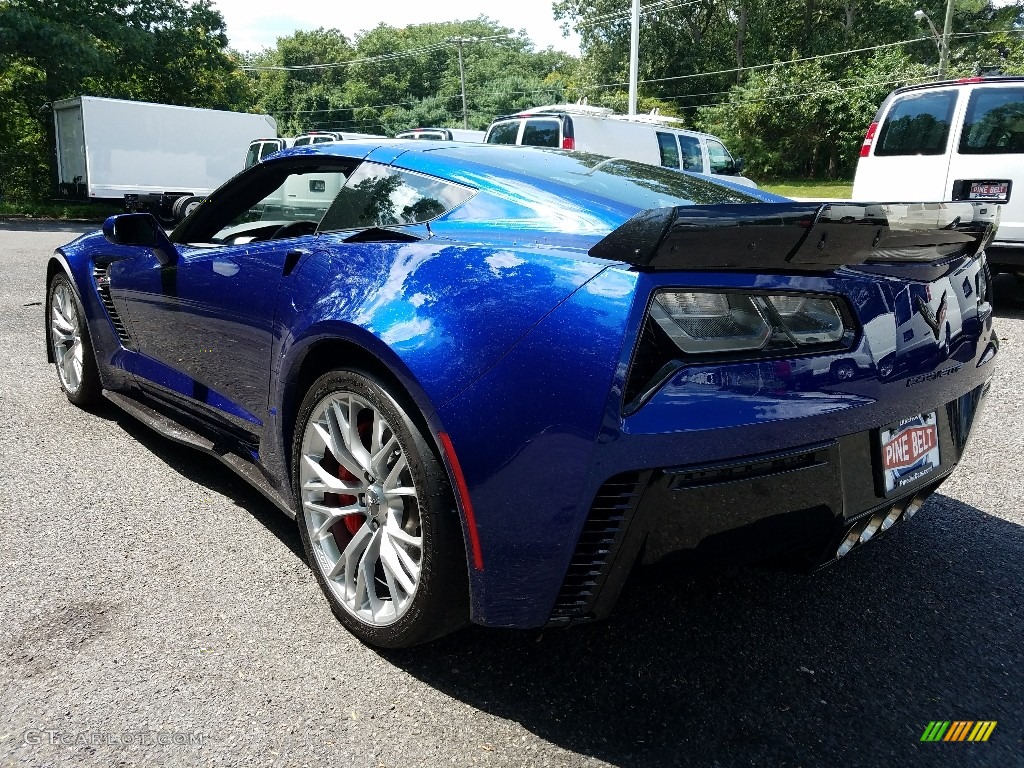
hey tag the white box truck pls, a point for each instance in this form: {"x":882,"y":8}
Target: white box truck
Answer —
{"x":154,"y":157}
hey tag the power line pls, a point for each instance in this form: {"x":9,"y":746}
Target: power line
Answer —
{"x":766,"y":66}
{"x":349,"y":63}
{"x":371,"y":59}
{"x":477,"y":95}
{"x":903,"y":81}
{"x":654,"y":7}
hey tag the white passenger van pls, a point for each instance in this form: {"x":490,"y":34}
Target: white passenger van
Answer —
{"x":952,"y":140}
{"x":650,"y":139}
{"x":261,"y":148}
{"x":442,"y":134}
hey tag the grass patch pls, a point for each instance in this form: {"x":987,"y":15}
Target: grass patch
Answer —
{"x":820,"y":190}
{"x":57,"y":209}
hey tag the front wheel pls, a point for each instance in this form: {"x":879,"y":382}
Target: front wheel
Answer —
{"x":376,"y":514}
{"x":70,"y":344}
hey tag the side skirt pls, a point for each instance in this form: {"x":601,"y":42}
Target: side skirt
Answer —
{"x":171,"y":429}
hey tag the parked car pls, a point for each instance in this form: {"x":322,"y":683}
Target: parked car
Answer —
{"x":487,"y":380}
{"x":441,"y":134}
{"x":952,"y":140}
{"x":650,"y":139}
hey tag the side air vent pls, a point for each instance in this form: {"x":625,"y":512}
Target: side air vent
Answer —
{"x":99,"y":273}
{"x":613,"y":504}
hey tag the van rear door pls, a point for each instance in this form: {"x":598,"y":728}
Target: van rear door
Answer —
{"x":990,"y":148}
{"x":909,"y":159}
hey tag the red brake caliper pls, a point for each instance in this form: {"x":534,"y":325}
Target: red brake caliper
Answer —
{"x":347,"y":526}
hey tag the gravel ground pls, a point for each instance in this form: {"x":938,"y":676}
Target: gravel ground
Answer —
{"x":149,"y":597}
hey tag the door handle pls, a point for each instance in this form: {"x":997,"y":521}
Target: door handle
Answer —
{"x":290,"y":260}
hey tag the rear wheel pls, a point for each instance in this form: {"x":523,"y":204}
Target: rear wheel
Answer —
{"x":376,"y":514}
{"x":70,"y":343}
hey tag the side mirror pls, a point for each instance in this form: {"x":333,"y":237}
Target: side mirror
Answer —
{"x":140,"y":229}
{"x":738,"y":166}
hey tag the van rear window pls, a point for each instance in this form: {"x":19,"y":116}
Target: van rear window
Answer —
{"x":994,"y":124}
{"x":917,"y":124}
{"x":669,"y":150}
{"x":541,"y":133}
{"x":504,"y":133}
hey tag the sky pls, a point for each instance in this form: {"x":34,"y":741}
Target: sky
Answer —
{"x":256,"y":24}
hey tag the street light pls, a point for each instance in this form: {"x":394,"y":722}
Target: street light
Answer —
{"x":941,"y":42}
{"x":919,"y":14}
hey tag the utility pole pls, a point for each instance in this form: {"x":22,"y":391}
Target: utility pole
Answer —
{"x":462,"y":79}
{"x":634,"y":48}
{"x":946,"y":28}
{"x":460,"y":41}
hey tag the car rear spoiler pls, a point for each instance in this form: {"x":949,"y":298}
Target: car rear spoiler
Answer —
{"x":814,"y":237}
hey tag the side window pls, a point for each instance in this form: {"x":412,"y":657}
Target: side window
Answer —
{"x":301,"y":196}
{"x":302,"y":142}
{"x":668,"y":149}
{"x":378,"y":196}
{"x":268,"y":148}
{"x":689,"y":150}
{"x":994,"y":124}
{"x":719,"y":158}
{"x":322,"y":139}
{"x":253,"y":155}
{"x":504,"y":133}
{"x":917,"y":125}
{"x":542,"y":133}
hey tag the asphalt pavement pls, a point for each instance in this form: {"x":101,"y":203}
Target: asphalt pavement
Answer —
{"x":155,"y":610}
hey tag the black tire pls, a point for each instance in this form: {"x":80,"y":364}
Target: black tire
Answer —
{"x":184,"y":206}
{"x":439,"y":604}
{"x":82,"y":388}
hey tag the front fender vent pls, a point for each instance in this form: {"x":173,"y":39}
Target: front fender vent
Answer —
{"x":614,"y":502}
{"x":99,"y":274}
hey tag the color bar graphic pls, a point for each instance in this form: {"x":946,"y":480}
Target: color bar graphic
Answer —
{"x":958,"y":730}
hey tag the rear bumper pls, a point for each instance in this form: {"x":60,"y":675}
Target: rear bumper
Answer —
{"x":818,"y":501}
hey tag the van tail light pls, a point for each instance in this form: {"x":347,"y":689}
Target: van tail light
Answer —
{"x":869,"y":139}
{"x":569,"y":142}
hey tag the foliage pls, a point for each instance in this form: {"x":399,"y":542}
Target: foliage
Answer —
{"x":389,"y":79}
{"x":169,"y":51}
{"x":790,"y":85}
{"x":804,"y":121}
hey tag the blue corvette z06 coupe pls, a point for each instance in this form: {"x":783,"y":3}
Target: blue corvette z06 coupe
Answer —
{"x":488,"y":380}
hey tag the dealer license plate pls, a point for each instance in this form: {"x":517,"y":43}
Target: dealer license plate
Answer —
{"x":910,"y":451}
{"x":988,"y":190}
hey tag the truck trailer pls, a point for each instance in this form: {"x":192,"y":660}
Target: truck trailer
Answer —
{"x":155,"y":157}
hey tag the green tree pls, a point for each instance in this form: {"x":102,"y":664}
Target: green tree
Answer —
{"x":169,"y":51}
{"x":389,"y":79}
{"x":803,"y":119}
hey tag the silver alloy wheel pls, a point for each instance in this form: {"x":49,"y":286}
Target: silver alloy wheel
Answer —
{"x":66,"y":337}
{"x":360,"y":508}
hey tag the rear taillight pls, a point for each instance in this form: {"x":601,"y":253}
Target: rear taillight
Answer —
{"x":568,"y":143}
{"x":869,"y":139}
{"x":971,"y":80}
{"x":720,"y":323}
